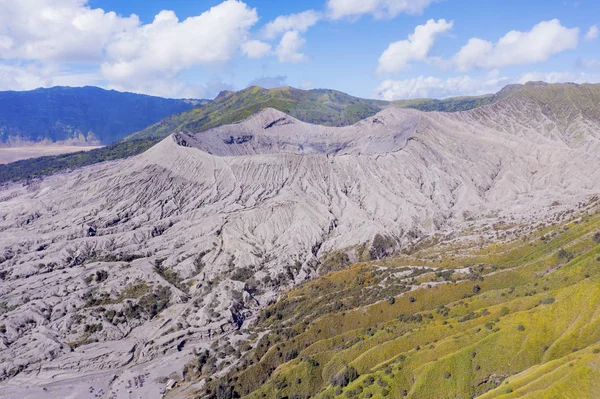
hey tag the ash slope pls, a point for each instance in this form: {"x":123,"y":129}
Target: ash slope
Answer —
{"x":260,"y":201}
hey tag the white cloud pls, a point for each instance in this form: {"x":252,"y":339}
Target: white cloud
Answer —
{"x":517,"y":48}
{"x":589,"y":63}
{"x":299,"y":22}
{"x":130,"y":55}
{"x":34,"y":75}
{"x":57,"y":30}
{"x":173,"y":87}
{"x":378,"y":8}
{"x":558,"y":77}
{"x":269,"y":82}
{"x":416,"y":48}
{"x":592,"y":33}
{"x":463,"y":85}
{"x":291,"y":26}
{"x":21,"y":78}
{"x":256,"y":49}
{"x":431,"y":86}
{"x":290,"y":46}
{"x":167,"y":46}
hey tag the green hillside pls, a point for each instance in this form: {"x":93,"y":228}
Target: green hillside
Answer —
{"x":516,"y":315}
{"x":447,"y":105}
{"x":326,"y":107}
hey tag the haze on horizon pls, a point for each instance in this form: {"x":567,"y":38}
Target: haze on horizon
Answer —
{"x":376,"y":49}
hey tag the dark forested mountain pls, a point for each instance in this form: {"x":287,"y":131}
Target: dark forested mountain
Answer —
{"x":80,"y":114}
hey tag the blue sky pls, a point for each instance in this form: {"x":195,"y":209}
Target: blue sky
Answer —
{"x":387,"y":49}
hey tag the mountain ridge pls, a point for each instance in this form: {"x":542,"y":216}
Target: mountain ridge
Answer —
{"x":323,"y":106}
{"x":86,"y":114}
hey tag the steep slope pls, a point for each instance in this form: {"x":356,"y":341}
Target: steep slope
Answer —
{"x":125,"y":264}
{"x":547,"y":113}
{"x":80,"y":114}
{"x":515,"y":317}
{"x":327,"y":107}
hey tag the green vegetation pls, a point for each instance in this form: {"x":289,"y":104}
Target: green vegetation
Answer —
{"x":325,"y":107}
{"x":522,"y":322}
{"x":448,"y":105}
{"x":135,"y":290}
{"x":381,"y":246}
{"x":150,"y":304}
{"x":99,"y":277}
{"x":336,"y":260}
{"x":319,"y":106}
{"x":170,"y":275}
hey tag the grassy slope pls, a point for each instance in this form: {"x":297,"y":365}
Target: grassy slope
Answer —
{"x":319,"y":106}
{"x":532,"y":331}
{"x":326,"y":107}
{"x":447,"y":105}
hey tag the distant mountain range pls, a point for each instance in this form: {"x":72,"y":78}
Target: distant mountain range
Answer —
{"x":80,"y":115}
{"x":320,"y":106}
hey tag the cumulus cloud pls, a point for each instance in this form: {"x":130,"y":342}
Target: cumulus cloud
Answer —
{"x":173,"y":87}
{"x":57,"y":30}
{"x":167,"y":46}
{"x":431,"y":86}
{"x":289,"y":47}
{"x":492,"y":82}
{"x":299,"y":22}
{"x":16,"y":76}
{"x":517,"y":48}
{"x":416,"y":48}
{"x":256,"y":49}
{"x":558,"y":77}
{"x":131,"y":55}
{"x":592,"y":33}
{"x":378,"y":8}
{"x":269,"y":82}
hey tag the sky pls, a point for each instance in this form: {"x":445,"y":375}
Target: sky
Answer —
{"x":387,"y":49}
